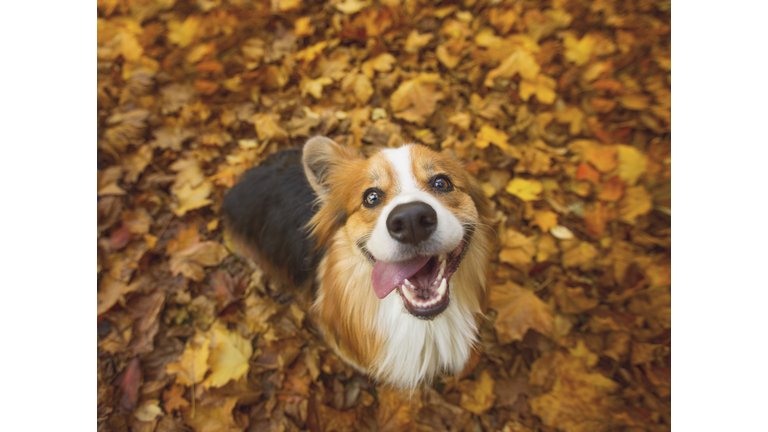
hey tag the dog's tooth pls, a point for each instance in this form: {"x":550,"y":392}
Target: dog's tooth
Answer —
{"x":442,"y":258}
{"x":441,"y":288}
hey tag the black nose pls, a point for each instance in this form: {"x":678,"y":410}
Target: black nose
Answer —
{"x":412,"y":222}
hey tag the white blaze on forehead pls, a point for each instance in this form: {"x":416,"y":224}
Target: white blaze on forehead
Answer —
{"x":400,"y":158}
{"x":448,"y":233}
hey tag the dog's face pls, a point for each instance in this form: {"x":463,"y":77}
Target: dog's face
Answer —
{"x":410,"y":212}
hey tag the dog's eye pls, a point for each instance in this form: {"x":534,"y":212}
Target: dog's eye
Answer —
{"x":372,"y":197}
{"x":442,"y":183}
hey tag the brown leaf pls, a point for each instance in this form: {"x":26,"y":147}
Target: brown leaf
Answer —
{"x":572,"y":300}
{"x":173,"y":399}
{"x":397,"y":412}
{"x":146,"y":312}
{"x":415,"y":99}
{"x":518,"y":311}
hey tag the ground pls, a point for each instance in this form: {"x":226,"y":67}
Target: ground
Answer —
{"x":560,"y":108}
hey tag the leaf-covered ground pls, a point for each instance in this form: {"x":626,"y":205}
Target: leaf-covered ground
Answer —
{"x":561,"y":108}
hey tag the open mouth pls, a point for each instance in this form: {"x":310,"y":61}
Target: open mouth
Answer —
{"x":422,"y":281}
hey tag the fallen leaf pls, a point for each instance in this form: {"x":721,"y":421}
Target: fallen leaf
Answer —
{"x":518,"y":311}
{"x":107,"y":181}
{"x":397,"y":412}
{"x":490,"y":135}
{"x":526,"y":190}
{"x":612,"y":190}
{"x":415,"y":99}
{"x":229,"y":357}
{"x":545,"y":220}
{"x":521,"y":62}
{"x":416,"y":41}
{"x":214,"y":415}
{"x":477,"y":396}
{"x":542,"y":86}
{"x":173,"y":399}
{"x":572,"y":300}
{"x":579,"y":51}
{"x":636,"y":202}
{"x":193,"y":364}
{"x":148,"y":411}
{"x":631,"y":164}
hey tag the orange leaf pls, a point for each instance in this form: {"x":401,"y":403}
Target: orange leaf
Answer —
{"x":173,"y":398}
{"x":612,"y":190}
{"x":477,"y":396}
{"x":586,"y":172}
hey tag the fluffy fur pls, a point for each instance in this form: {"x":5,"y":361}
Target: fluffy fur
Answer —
{"x":344,"y":238}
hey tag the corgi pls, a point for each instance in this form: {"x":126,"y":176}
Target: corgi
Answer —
{"x":392,"y":249}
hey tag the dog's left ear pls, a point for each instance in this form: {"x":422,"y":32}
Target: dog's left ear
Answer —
{"x":319,"y":156}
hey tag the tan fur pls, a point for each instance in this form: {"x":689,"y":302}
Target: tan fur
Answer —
{"x":345,"y":308}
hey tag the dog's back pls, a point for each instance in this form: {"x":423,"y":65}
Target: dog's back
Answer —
{"x":266,"y":213}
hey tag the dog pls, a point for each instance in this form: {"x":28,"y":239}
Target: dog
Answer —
{"x":393,"y":250}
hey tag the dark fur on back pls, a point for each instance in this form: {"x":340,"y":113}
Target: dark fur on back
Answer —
{"x":269,"y":209}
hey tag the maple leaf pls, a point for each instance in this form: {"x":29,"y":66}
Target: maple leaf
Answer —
{"x":135,"y":163}
{"x":517,"y":250}
{"x":490,"y":135}
{"x":171,"y":137}
{"x":572,"y":300}
{"x":526,"y":190}
{"x":586,"y":172}
{"x":350,"y":7}
{"x":545,"y":220}
{"x":518,"y":311}
{"x":214,"y":414}
{"x":396,"y":411}
{"x":612,"y":190}
{"x":415,"y":99}
{"x":521,"y":62}
{"x":579,"y":254}
{"x":580,"y":400}
{"x":381,"y":63}
{"x":416,"y":41}
{"x":477,"y":396}
{"x":600,"y":156}
{"x":107,"y":181}
{"x":267,"y":126}
{"x":636,"y":202}
{"x":579,"y":51}
{"x":229,"y":356}
{"x":193,"y":364}
{"x":315,"y":86}
{"x":189,"y":255}
{"x":631,"y":164}
{"x":542,"y":86}
{"x":183,"y":33}
{"x":173,"y":399}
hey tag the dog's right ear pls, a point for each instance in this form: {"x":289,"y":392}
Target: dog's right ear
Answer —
{"x":320,"y":156}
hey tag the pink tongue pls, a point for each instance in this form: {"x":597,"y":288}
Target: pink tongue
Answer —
{"x":387,"y":275}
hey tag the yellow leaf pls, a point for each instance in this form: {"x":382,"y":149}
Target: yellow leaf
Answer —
{"x":477,"y":396}
{"x":184,"y":33}
{"x":579,"y":51}
{"x":600,"y":156}
{"x":315,"y":86}
{"x":526,"y":190}
{"x":415,"y":99}
{"x":543,"y":87}
{"x":416,"y":41}
{"x":572,"y":115}
{"x":545,"y":220}
{"x":636,"y":202}
{"x":518,"y":310}
{"x":489,"y":134}
{"x":148,"y":411}
{"x":303,"y":27}
{"x":214,"y":415}
{"x":193,"y":364}
{"x":286,"y":5}
{"x":631,"y":164}
{"x":382,"y":63}
{"x":229,"y":357}
{"x":581,"y":255}
{"x":193,"y":198}
{"x":521,"y":62}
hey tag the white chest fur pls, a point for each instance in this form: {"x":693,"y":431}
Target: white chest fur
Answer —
{"x":416,"y":350}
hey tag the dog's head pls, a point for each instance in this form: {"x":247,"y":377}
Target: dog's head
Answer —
{"x":411,"y":212}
